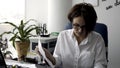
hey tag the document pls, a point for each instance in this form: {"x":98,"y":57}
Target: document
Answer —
{"x":43,"y":54}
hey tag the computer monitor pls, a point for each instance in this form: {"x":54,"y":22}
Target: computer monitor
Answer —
{"x":48,"y":43}
{"x":34,"y":43}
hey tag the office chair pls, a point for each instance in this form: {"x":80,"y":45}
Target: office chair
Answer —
{"x":100,"y":28}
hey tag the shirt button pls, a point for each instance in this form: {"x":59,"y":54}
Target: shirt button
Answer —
{"x":76,"y":57}
{"x":76,"y":66}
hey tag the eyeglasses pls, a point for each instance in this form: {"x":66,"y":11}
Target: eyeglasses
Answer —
{"x":76,"y":26}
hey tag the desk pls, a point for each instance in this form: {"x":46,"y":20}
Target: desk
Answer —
{"x":47,"y":42}
{"x":24,"y":64}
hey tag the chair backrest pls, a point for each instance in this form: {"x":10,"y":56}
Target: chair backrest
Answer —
{"x":100,"y":28}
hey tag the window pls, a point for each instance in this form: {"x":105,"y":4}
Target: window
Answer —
{"x":12,"y":10}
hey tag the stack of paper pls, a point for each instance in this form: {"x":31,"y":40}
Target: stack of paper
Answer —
{"x":23,"y":64}
{"x":43,"y":54}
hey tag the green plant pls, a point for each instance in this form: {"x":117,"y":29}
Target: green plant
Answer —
{"x":22,"y":32}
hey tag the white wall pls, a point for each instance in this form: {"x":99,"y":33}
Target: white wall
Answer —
{"x":57,"y":14}
{"x":76,"y":1}
{"x":111,"y":18}
{"x":52,"y":12}
{"x":37,"y":9}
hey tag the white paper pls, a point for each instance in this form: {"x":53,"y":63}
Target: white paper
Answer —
{"x":23,"y":64}
{"x":43,"y":53}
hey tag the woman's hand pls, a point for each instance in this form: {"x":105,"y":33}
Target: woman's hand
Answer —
{"x":37,"y":50}
{"x":47,"y":53}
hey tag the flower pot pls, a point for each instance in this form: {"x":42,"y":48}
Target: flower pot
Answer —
{"x":22,"y":49}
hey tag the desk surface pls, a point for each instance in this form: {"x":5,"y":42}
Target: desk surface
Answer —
{"x":24,"y":64}
{"x":44,"y":39}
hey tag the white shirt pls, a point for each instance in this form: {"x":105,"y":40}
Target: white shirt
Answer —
{"x":90,"y":53}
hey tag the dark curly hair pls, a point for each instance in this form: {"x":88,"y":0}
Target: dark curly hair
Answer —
{"x":86,"y":11}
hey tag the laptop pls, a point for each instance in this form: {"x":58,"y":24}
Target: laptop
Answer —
{"x":2,"y":61}
{"x":13,"y":63}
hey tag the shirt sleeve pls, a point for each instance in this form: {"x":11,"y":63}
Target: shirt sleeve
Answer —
{"x":57,"y":52}
{"x":100,"y":57}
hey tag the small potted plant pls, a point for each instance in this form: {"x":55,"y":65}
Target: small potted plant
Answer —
{"x":21,"y":35}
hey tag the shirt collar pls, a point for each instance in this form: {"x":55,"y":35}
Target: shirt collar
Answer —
{"x":72,"y":33}
{"x":85,"y":41}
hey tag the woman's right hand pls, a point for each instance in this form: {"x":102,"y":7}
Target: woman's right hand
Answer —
{"x":47,"y":53}
{"x":37,"y":50}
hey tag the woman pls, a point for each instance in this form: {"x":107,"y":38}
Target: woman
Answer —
{"x":80,"y":47}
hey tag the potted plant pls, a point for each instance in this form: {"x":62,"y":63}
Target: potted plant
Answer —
{"x":21,"y":35}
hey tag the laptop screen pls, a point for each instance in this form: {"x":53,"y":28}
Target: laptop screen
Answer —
{"x":2,"y":61}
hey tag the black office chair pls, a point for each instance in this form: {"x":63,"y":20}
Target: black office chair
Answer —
{"x":100,"y":28}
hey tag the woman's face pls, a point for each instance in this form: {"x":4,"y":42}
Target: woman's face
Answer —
{"x":78,"y":26}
